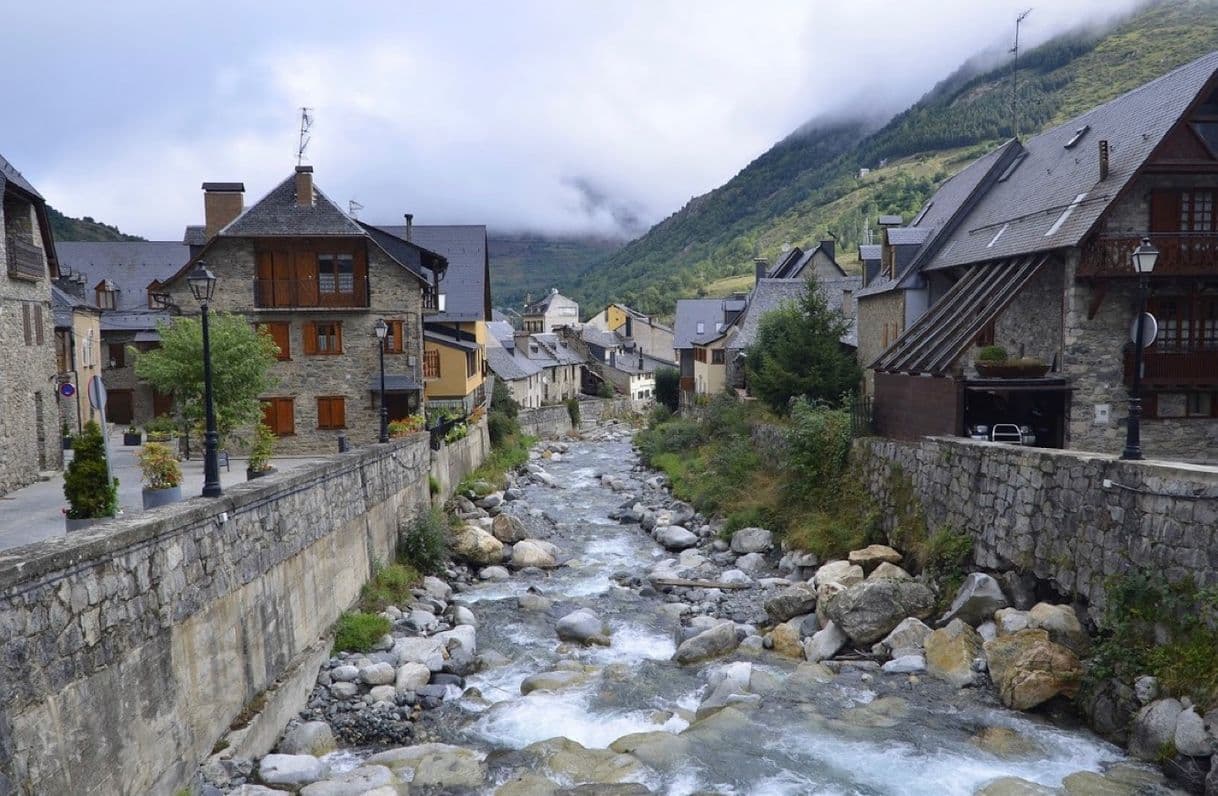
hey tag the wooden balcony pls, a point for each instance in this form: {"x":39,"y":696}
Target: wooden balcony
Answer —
{"x":308,"y":294}
{"x":25,"y":260}
{"x":1180,"y":254}
{"x":1183,"y":368}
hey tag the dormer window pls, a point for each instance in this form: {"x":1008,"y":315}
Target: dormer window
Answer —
{"x":107,"y":294}
{"x":701,"y":327}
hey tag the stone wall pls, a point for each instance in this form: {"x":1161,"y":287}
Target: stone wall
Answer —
{"x":547,"y":422}
{"x":1048,"y":511}
{"x":455,"y":460}
{"x":126,"y":651}
{"x":878,"y":317}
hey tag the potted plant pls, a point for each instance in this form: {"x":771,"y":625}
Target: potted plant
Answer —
{"x":92,"y":495}
{"x":992,"y":362}
{"x":160,"y":429}
{"x":407,"y":425}
{"x":162,"y":475}
{"x":132,"y":436}
{"x":67,"y":436}
{"x":260,"y":453}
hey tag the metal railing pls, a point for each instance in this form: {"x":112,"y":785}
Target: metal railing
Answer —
{"x":862,"y":419}
{"x":1167,"y":368}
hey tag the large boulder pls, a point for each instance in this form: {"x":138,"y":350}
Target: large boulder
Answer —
{"x":552,"y":681}
{"x":1191,"y":737}
{"x":308,"y":738}
{"x":571,"y":760}
{"x":793,"y":601}
{"x":752,"y":540}
{"x":908,"y":636}
{"x":674,"y":537}
{"x":1010,"y":620}
{"x":430,"y":652}
{"x":873,"y":555}
{"x":870,"y":610}
{"x":508,"y":529}
{"x":784,"y":639}
{"x":886,"y":570}
{"x":825,"y":643}
{"x":476,"y":546}
{"x":584,"y":627}
{"x":710,"y":643}
{"x":377,"y":673}
{"x":411,"y":677}
{"x":1061,"y":623}
{"x":841,"y":572}
{"x":976,"y":600}
{"x":1154,"y":729}
{"x":435,"y":764}
{"x":1028,"y":669}
{"x":356,"y":782}
{"x":532,"y":553}
{"x":950,"y":652}
{"x":290,"y":771}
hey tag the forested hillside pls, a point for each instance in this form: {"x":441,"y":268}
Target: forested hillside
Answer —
{"x":66,"y":228}
{"x":530,"y":264}
{"x":810,"y":183}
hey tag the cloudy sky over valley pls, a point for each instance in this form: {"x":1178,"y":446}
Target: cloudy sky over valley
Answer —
{"x":550,"y":116}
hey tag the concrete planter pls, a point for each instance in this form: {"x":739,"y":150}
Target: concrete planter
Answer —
{"x":80,"y":525}
{"x":67,"y":443}
{"x":154,"y":498}
{"x":250,"y":475}
{"x":130,"y":439}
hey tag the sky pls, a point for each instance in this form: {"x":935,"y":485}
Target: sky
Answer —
{"x":555,"y":116}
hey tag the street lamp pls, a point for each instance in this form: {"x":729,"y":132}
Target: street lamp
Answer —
{"x":203,"y":286}
{"x":1144,"y":258}
{"x":382,"y":332}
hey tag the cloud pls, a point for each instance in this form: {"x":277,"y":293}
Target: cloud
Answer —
{"x":531,"y":115}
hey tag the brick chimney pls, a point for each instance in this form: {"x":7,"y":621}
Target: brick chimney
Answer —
{"x":304,"y":186}
{"x":222,"y":202}
{"x":409,"y":225}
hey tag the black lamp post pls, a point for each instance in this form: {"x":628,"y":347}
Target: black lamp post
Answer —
{"x":382,"y":332}
{"x":203,"y":286}
{"x":1143,"y":262}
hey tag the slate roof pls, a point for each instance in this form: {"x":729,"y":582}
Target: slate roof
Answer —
{"x":562,"y":354}
{"x":278,"y":213}
{"x":9,"y":173}
{"x":793,"y":263}
{"x":890,"y":220}
{"x":603,"y":339}
{"x":508,"y":365}
{"x":689,"y":312}
{"x":63,"y":303}
{"x":870,"y":251}
{"x":130,"y":265}
{"x":394,"y":382}
{"x":501,"y":330}
{"x":414,"y":258}
{"x":770,"y":294}
{"x":465,"y":285}
{"x":195,"y":235}
{"x":542,"y":304}
{"x":908,"y":236}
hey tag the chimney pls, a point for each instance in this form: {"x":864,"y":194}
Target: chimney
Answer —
{"x":409,"y":225}
{"x":1103,"y":160}
{"x":848,"y":303}
{"x":304,"y":186}
{"x":222,"y":202}
{"x":521,"y":339}
{"x":629,"y":327}
{"x":760,"y":266}
{"x":640,"y":360}
{"x":613,"y":358}
{"x":829,"y":247}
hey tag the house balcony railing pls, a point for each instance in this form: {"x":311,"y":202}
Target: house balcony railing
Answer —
{"x":1180,"y":254}
{"x":433,"y":301}
{"x":1175,"y":368}
{"x":25,"y":260}
{"x":308,"y":294}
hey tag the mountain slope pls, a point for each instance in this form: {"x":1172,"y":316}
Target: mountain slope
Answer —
{"x":810,"y":184}
{"x":66,"y":228}
{"x":530,"y":264}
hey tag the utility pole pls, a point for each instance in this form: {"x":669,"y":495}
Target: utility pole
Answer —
{"x":1015,"y":77}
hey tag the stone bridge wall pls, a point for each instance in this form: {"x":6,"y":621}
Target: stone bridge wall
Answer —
{"x":455,"y":460}
{"x":127,"y":651}
{"x":1048,"y":511}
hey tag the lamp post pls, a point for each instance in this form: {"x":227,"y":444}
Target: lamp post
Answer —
{"x":203,"y":286}
{"x":1143,"y":263}
{"x":382,"y":332}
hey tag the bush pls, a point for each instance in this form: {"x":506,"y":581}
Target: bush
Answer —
{"x":668,"y":388}
{"x":424,"y":546}
{"x":407,"y":425}
{"x":160,"y":466}
{"x":677,"y":435}
{"x":605,"y":390}
{"x":389,"y":585}
{"x":573,"y":411}
{"x":499,"y":426}
{"x":992,"y":353}
{"x":90,"y":494}
{"x":356,"y":631}
{"x":818,"y":447}
{"x":260,"y":451}
{"x":433,"y":485}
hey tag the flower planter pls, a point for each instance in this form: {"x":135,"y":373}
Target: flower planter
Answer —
{"x":154,"y":498}
{"x":80,"y":525}
{"x":67,"y":443}
{"x":250,"y":475}
{"x":1003,"y":370}
{"x":130,"y":439}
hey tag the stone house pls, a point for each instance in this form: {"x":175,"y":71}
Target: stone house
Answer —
{"x":317,"y":281}
{"x":1029,"y":248}
{"x":78,"y":355}
{"x":122,"y":279}
{"x":538,"y":369}
{"x":699,"y":325}
{"x":565,"y":363}
{"x":654,"y":338}
{"x":29,"y":417}
{"x":549,"y":313}
{"x":522,"y":376}
{"x":820,"y":260}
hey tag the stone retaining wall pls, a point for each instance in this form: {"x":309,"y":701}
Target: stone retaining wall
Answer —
{"x":455,"y":460}
{"x":1048,"y":511}
{"x":547,"y":422}
{"x":127,"y":651}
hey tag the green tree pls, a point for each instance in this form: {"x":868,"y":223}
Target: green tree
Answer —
{"x":241,"y":360}
{"x":798,"y":353}
{"x":668,"y":387}
{"x":89,"y":492}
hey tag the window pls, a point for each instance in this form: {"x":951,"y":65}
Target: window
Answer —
{"x":105,"y":298}
{"x":701,"y":327}
{"x":699,"y":354}
{"x":431,"y":364}
{"x":395,"y":342}
{"x":1197,"y":211}
{"x":336,"y":273}
{"x":717,"y":356}
{"x":332,"y":412}
{"x":281,"y":334}
{"x":1186,"y":323}
{"x":323,"y":337}
{"x":471,"y":364}
{"x":279,"y":415}
{"x":118,"y":355}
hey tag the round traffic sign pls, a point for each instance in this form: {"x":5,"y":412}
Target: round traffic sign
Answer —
{"x":67,"y":389}
{"x":1150,"y":330}
{"x":97,"y":393}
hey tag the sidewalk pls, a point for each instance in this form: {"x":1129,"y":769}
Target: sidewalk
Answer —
{"x":35,"y":512}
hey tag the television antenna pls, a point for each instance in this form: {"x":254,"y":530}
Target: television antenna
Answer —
{"x":1015,"y":76}
{"x":306,"y":124}
{"x":353,"y":208}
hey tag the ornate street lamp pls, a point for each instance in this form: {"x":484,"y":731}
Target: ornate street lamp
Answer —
{"x":382,"y":333}
{"x":203,"y":286}
{"x":1144,"y":258}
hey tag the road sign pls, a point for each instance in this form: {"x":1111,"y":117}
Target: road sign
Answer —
{"x":97,"y":394}
{"x":67,"y":389}
{"x":1150,"y":329}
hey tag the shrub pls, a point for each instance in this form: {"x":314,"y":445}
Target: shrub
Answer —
{"x":433,"y":485}
{"x":260,"y":451}
{"x":424,"y":546}
{"x":675,"y":436}
{"x":605,"y":390}
{"x":161,"y":429}
{"x":356,"y":631}
{"x":89,"y":491}
{"x":160,"y":466}
{"x":389,"y":585}
{"x":668,"y":388}
{"x":818,"y":447}
{"x":407,"y":425}
{"x":992,"y":353}
{"x":660,"y":413}
{"x":573,"y":411}
{"x":499,"y":426}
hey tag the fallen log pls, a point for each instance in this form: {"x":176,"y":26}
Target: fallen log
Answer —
{"x":699,"y":584}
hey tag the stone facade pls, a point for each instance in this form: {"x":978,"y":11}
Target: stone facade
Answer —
{"x":1048,"y":512}
{"x":29,"y":414}
{"x":1031,"y":325}
{"x":878,"y":317}
{"x":127,"y":651}
{"x":395,"y":295}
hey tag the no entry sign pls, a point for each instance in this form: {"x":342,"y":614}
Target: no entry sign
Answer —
{"x":67,"y":390}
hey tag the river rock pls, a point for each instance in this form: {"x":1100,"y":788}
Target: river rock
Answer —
{"x":437,"y":588}
{"x":255,"y":790}
{"x":527,"y":784}
{"x":1028,"y":669}
{"x":308,"y":738}
{"x":494,"y":572}
{"x":674,"y":537}
{"x":825,"y":643}
{"x":840,"y":572}
{"x":377,"y":674}
{"x":1111,"y":708}
{"x":1062,"y":624}
{"x":1010,"y":620}
{"x":462,"y":637}
{"x":529,"y":553}
{"x":792,"y":601}
{"x":976,"y":600}
{"x":382,"y":693}
{"x":910,"y":634}
{"x":463,"y":616}
{"x":873,"y":555}
{"x":583,"y":626}
{"x":530,"y":601}
{"x":356,"y":782}
{"x":752,"y":563}
{"x":1191,"y":738}
{"x":1006,"y":743}
{"x":490,"y":501}
{"x":752,"y":540}
{"x":552,"y":681}
{"x":569,"y":759}
{"x":290,"y":771}
{"x":1146,"y":689}
{"x":411,"y":677}
{"x":718,"y":640}
{"x":419,"y":621}
{"x":476,"y":546}
{"x":870,"y":610}
{"x":343,"y":690}
{"x":508,"y":529}
{"x":784,"y":639}
{"x":1154,"y":729}
{"x":657,"y":749}
{"x":438,"y":764}
{"x":950,"y":652}
{"x":1014,"y":786}
{"x":906,"y":664}
{"x":886,"y":570}
{"x":736,"y":577}
{"x":415,"y":649}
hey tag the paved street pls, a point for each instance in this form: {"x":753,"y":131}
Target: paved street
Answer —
{"x":36,"y":512}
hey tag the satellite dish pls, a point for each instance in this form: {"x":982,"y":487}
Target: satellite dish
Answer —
{"x":1150,"y":330}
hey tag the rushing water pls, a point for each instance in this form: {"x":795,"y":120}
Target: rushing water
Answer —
{"x":853,"y":735}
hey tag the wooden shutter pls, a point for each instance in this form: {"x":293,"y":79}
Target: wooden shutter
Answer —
{"x":338,"y":337}
{"x":269,"y":418}
{"x":338,"y":412}
{"x":308,"y":332}
{"x":304,"y":265}
{"x":397,"y":340}
{"x":265,"y":294}
{"x":1165,"y":211}
{"x":39,"y":337}
{"x":324,"y":418}
{"x":25,"y":322}
{"x":281,"y":334}
{"x":285,"y":416}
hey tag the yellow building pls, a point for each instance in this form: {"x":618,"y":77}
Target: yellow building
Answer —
{"x":454,"y":368}
{"x":710,"y":364}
